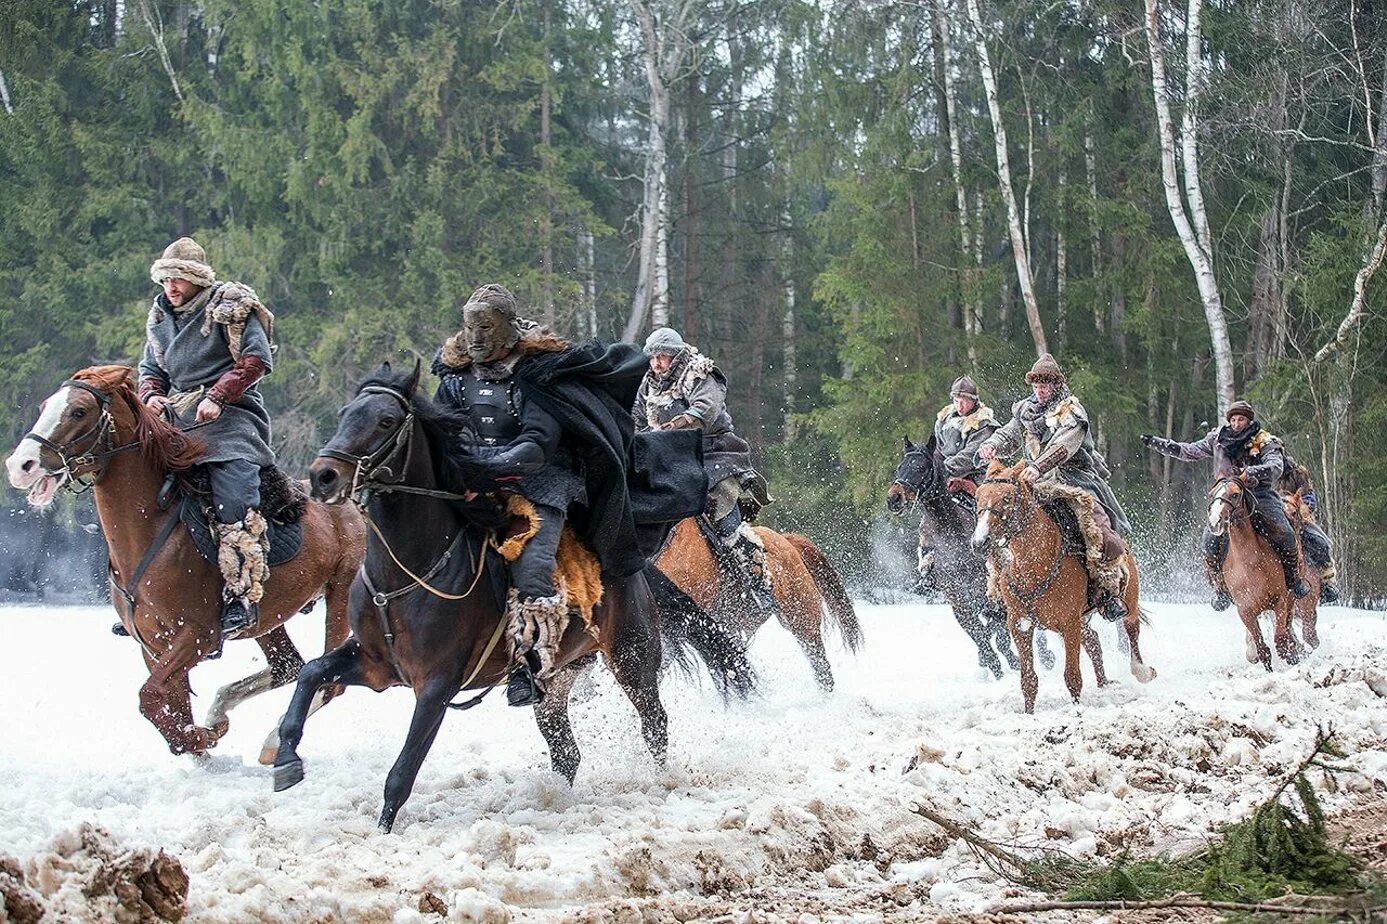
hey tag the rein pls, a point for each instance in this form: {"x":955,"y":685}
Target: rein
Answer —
{"x":1242,"y":509}
{"x":1027,"y":596}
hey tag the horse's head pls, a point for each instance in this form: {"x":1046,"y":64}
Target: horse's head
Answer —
{"x":916,"y":475}
{"x":1005,"y":503}
{"x":90,"y":418}
{"x":372,"y":436}
{"x":1229,"y":502}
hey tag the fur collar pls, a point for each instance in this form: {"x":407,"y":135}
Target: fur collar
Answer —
{"x":534,"y":341}
{"x":982,"y":414}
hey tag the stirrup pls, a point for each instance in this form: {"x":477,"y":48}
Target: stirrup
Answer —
{"x":120,"y":630}
{"x":1329,"y":592}
{"x":238,"y":615}
{"x":1299,"y":588}
{"x":1113,"y":609}
{"x":522,"y":687}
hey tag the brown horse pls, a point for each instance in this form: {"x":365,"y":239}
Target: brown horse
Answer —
{"x":1254,"y":577}
{"x":808,"y":590}
{"x":94,"y":430}
{"x":1043,"y":585}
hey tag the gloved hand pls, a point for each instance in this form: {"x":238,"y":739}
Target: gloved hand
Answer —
{"x":1148,"y":440}
{"x":683,"y":422}
{"x":515,"y":462}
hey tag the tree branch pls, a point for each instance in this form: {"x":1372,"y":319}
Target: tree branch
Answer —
{"x":1360,"y":298}
{"x":157,"y":31}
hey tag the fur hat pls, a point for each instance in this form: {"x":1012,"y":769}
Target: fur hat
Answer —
{"x":664,"y":340}
{"x":1045,"y":371}
{"x":183,"y":259}
{"x":965,"y":386}
{"x":495,"y":296}
{"x":1242,"y":408}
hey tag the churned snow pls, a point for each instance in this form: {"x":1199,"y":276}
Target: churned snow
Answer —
{"x":794,"y":802}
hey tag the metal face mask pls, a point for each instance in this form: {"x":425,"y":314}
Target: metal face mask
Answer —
{"x":488,"y":331}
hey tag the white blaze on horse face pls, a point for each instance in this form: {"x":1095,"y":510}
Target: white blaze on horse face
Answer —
{"x":23,"y":465}
{"x":1216,"y":509}
{"x":984,"y":526}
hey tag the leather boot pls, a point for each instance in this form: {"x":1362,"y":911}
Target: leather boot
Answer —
{"x":238,"y":615}
{"x":522,"y":686}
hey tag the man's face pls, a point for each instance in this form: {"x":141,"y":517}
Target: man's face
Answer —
{"x":660,"y":363}
{"x":488,"y":333}
{"x":1239,"y":423}
{"x":1043,"y":391}
{"x":178,"y":291}
{"x":964,"y":404}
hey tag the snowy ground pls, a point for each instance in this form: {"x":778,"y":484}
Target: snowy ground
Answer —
{"x":794,"y":803}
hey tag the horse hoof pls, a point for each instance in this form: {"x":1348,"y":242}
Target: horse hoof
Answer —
{"x":268,"y":755}
{"x":220,"y":728}
{"x":290,"y":774}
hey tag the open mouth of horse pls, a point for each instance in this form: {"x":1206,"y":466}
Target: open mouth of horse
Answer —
{"x":44,"y":488}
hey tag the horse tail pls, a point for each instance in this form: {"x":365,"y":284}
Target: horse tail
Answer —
{"x":830,"y":585}
{"x":684,"y":625}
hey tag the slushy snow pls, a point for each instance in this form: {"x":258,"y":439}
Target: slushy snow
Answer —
{"x":796,"y":798}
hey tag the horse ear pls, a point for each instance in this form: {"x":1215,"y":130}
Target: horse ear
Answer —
{"x":413,"y":382}
{"x":908,"y":444}
{"x":385,"y":366}
{"x":994,"y":467}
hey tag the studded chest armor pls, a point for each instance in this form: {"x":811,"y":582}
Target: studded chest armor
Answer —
{"x":491,"y":408}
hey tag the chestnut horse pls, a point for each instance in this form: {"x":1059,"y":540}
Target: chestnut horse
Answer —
{"x":1254,"y":577}
{"x":95,"y":430}
{"x":1043,"y":585}
{"x":428,"y":610}
{"x":808,"y":591}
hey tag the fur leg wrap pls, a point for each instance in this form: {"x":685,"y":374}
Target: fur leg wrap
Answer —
{"x":537,"y":626}
{"x":241,"y":556}
{"x":994,"y":580}
{"x":1104,"y":560}
{"x":750,"y":553}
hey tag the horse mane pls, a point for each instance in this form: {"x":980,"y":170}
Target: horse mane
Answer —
{"x":164,"y":447}
{"x":444,"y":429}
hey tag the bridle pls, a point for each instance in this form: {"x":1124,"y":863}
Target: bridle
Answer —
{"x":1240,"y":509}
{"x":1008,"y":530}
{"x":1028,"y":596}
{"x":371,"y":470}
{"x":99,"y":433}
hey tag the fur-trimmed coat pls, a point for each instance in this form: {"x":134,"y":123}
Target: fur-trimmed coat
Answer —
{"x":959,"y":436}
{"x":701,"y":393}
{"x":1263,"y":458}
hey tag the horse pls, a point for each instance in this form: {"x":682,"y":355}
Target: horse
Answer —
{"x":428,"y":608}
{"x":1255,"y":580}
{"x":94,"y":431}
{"x":1042,"y":583}
{"x":920,"y":478}
{"x":808,"y":590}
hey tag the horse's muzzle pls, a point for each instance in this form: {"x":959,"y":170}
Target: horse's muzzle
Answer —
{"x":329,"y":480}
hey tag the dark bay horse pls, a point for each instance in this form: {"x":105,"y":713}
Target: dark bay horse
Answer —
{"x":427,"y":610}
{"x":960,"y":574}
{"x":808,"y":590}
{"x":95,"y":429}
{"x":1043,"y":585}
{"x":1254,"y":576}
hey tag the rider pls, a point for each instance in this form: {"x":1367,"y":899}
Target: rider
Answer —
{"x":1242,"y":447}
{"x":682,"y":390}
{"x":1314,"y":541}
{"x":207,"y":345}
{"x":510,"y":376}
{"x":1050,"y":429}
{"x":960,"y":428}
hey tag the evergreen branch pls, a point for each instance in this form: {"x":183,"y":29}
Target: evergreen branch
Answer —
{"x":1175,"y":901}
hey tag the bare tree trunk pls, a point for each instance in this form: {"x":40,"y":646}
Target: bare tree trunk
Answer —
{"x":546,"y":160}
{"x":1095,"y":241}
{"x":693,"y":233}
{"x":948,"y":117}
{"x":1061,"y":258}
{"x":1195,"y":242}
{"x":587,"y":255}
{"x":1018,"y":243}
{"x":1267,"y":302}
{"x":5,"y":94}
{"x":787,"y":326}
{"x":155,"y":23}
{"x":1360,"y":298}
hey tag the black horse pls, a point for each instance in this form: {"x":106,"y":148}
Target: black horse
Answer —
{"x":948,"y":521}
{"x":427,"y":606}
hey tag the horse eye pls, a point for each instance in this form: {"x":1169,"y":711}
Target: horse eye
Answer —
{"x":78,"y":413}
{"x":387,"y":422}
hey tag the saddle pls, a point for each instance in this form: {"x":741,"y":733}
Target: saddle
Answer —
{"x":577,"y":571}
{"x":282,"y":502}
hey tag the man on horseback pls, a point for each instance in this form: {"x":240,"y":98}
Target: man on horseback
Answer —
{"x":1050,"y":430}
{"x":684,"y":390}
{"x":550,"y":428}
{"x":960,"y":429}
{"x":207,"y":346}
{"x":1314,"y":541}
{"x":1243,"y":448}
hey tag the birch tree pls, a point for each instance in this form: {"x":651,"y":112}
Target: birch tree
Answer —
{"x":1019,"y":245}
{"x":1192,"y":224}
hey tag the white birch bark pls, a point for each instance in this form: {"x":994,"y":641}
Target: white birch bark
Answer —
{"x":1061,"y":257}
{"x":1200,"y":259}
{"x":1018,"y":242}
{"x":971,"y":309}
{"x":1095,"y":240}
{"x":5,"y":94}
{"x":156,"y":31}
{"x":587,"y":255}
{"x":787,"y":324}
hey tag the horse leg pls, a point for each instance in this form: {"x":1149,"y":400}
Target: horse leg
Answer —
{"x":634,"y":658}
{"x":1308,"y":611}
{"x":1073,"y":675}
{"x":995,"y":619}
{"x":1257,"y":649}
{"x":430,"y":705}
{"x":981,"y":634}
{"x":1132,"y":624}
{"x":284,"y":663}
{"x":1047,"y":657}
{"x":1095,"y":654}
{"x":342,"y":665}
{"x":552,"y":717}
{"x":1286,"y":645}
{"x":165,"y":698}
{"x":1025,"y":650}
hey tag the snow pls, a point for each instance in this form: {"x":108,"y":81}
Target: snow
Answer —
{"x":795,"y":792}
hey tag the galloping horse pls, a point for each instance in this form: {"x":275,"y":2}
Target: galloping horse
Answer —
{"x":94,"y":429}
{"x":1042,"y":584}
{"x":1255,"y":579}
{"x":808,"y":591}
{"x":428,"y":610}
{"x":962,"y":576}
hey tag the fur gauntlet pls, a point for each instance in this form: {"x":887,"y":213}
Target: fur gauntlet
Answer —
{"x":537,"y":626}
{"x":241,"y":556}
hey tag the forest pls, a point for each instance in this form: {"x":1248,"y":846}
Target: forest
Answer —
{"x":847,"y":203}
